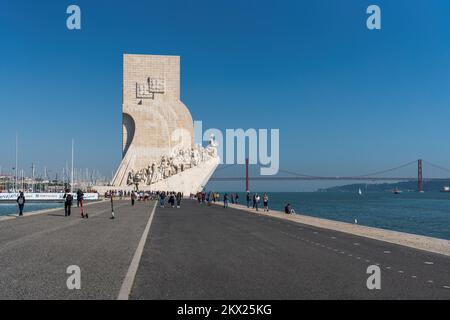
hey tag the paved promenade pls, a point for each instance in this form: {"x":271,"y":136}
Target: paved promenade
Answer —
{"x":214,"y":253}
{"x":35,"y":251}
{"x":200,"y":252}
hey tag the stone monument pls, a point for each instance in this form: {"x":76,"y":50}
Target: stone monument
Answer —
{"x":158,"y":151}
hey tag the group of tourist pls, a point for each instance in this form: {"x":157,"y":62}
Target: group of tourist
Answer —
{"x":252,"y":200}
{"x":256,"y":201}
{"x":136,"y":195}
{"x":172,"y":199}
{"x":206,"y":197}
{"x":209,"y":197}
{"x":68,"y":201}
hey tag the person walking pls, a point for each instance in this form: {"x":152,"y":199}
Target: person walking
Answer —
{"x":67,"y":203}
{"x":248,"y":199}
{"x":162,"y":199}
{"x":266,"y":202}
{"x":203,"y":197}
{"x":21,"y":202}
{"x":172,"y":200}
{"x":179,"y":196}
{"x":80,"y":196}
{"x":257,"y":201}
{"x":236,"y":198}
{"x":133,"y":198}
{"x":254,"y":200}
{"x":225,"y":200}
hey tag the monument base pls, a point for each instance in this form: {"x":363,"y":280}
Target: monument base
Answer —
{"x":188,"y":182}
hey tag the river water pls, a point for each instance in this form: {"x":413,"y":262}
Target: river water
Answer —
{"x":12,"y":208}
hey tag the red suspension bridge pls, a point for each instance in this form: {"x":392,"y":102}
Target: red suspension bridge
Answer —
{"x":373,"y":176}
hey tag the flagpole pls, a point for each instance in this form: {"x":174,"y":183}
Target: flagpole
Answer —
{"x":17,"y":143}
{"x":71,"y":173}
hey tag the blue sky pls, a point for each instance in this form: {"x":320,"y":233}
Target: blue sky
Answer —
{"x":347,"y":100}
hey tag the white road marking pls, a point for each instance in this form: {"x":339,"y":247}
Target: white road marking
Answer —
{"x":430,"y":281}
{"x":356,"y":244}
{"x":400,"y":271}
{"x":350,"y":255}
{"x":447,"y":287}
{"x":429,"y":263}
{"x":414,"y":277}
{"x":127,"y":284}
{"x":387,"y":252}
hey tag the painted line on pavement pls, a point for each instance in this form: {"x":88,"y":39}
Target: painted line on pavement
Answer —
{"x":127,"y":284}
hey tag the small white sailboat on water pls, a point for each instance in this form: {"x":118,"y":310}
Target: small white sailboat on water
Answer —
{"x":397,"y":191}
{"x":359,"y":192}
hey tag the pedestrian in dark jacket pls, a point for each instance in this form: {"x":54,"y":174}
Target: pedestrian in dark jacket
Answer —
{"x":133,"y":198}
{"x":80,"y":197}
{"x":172,"y":200}
{"x":21,"y":202}
{"x":225,"y":200}
{"x":179,"y":196}
{"x":288,"y":209}
{"x":67,"y":203}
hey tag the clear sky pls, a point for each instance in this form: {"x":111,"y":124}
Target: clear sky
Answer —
{"x":347,"y":100}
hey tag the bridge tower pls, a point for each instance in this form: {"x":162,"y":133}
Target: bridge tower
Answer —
{"x":419,"y":175}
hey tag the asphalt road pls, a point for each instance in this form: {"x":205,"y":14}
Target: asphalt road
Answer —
{"x":202,"y":252}
{"x":36,"y":251}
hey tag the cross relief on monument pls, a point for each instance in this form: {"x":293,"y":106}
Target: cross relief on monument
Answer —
{"x":147,"y":90}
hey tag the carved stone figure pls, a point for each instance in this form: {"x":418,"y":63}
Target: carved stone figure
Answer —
{"x":179,"y":161}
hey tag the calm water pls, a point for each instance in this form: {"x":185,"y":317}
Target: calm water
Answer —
{"x":425,"y":214}
{"x":11,"y":208}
